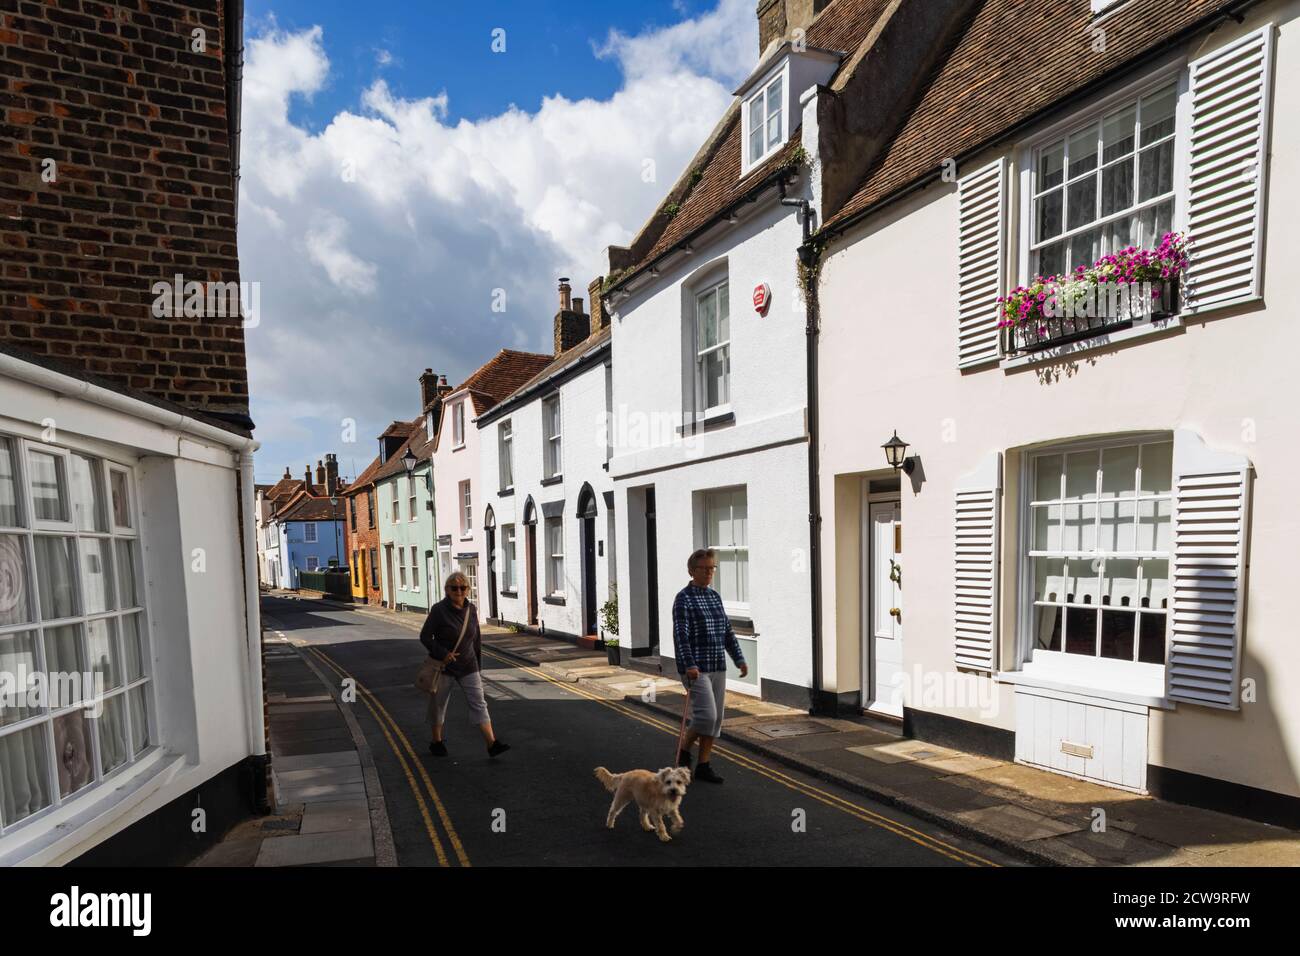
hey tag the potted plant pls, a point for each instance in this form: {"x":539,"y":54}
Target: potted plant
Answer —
{"x":609,"y":629}
{"x":1115,"y":291}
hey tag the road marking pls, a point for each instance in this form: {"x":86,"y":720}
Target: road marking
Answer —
{"x":386,"y":721}
{"x":839,"y":803}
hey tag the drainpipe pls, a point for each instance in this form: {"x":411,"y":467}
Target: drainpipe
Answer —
{"x":258,"y":758}
{"x":820,"y":702}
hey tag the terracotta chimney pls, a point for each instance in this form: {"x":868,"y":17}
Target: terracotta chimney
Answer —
{"x":306,"y":480}
{"x":320,"y":472}
{"x":566,"y":304}
{"x":331,"y":473}
{"x":598,"y":320}
{"x":286,"y":472}
{"x":571,"y":322}
{"x":428,"y":388}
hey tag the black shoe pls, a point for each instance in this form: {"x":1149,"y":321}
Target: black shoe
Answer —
{"x":705,"y":772}
{"x":437,"y":748}
{"x":498,"y":747}
{"x":684,"y":759}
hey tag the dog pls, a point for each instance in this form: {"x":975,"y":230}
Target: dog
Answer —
{"x":657,"y":795}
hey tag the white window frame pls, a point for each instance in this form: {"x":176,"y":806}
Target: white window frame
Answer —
{"x":1081,"y":670}
{"x":509,"y":557}
{"x":772,"y":140}
{"x":313,"y":563}
{"x":410,"y":500}
{"x":1027,"y":153}
{"x":27,"y":529}
{"x":458,"y":424}
{"x":465,"y":493}
{"x":415,"y":569}
{"x":309,"y":535}
{"x":401,"y":570}
{"x":701,"y":392}
{"x":704,"y":496}
{"x":554,"y":559}
{"x":505,"y":455}
{"x":396,"y":505}
{"x":552,"y":436}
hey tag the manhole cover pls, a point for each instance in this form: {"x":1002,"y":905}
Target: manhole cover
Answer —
{"x":793,"y":728}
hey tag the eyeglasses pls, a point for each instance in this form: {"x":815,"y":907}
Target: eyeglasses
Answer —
{"x":457,"y":587}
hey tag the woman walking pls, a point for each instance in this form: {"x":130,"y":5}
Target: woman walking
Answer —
{"x":451,"y":635}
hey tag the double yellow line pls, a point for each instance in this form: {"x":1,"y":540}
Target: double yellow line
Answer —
{"x":829,"y":799}
{"x":411,"y":766}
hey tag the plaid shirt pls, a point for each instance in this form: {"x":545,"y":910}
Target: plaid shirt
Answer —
{"x":701,"y":630}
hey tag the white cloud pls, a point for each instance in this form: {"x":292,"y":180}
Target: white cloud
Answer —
{"x":379,"y":240}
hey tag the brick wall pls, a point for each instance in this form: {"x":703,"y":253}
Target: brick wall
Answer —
{"x":364,"y":538}
{"x":135,"y":122}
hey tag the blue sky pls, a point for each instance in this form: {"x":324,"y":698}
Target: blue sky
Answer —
{"x":397,"y":174}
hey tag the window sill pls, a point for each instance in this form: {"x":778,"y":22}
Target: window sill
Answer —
{"x":460,"y":447}
{"x":715,"y":418}
{"x":553,"y":480}
{"x":506,"y":493}
{"x":1111,"y":693}
{"x":507,"y":592}
{"x":552,"y":599}
{"x":1167,"y":326}
{"x":742,"y":626}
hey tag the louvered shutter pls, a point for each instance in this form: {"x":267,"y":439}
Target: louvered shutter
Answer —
{"x":981,"y":250}
{"x":978,"y":499}
{"x":1227,"y":157}
{"x":1211,"y":502}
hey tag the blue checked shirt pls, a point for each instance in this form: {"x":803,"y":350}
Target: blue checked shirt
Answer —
{"x":702,"y":630}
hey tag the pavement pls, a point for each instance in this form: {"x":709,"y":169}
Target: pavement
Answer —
{"x":329,"y":805}
{"x":1018,"y":813}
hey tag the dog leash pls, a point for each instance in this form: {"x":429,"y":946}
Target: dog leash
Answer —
{"x":681,"y":734}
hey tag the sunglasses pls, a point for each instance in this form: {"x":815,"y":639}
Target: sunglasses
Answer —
{"x":457,"y":587}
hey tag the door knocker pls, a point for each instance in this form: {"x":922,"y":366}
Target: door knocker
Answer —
{"x":895,"y":572}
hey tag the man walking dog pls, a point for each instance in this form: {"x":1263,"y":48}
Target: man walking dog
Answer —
{"x":701,"y":632}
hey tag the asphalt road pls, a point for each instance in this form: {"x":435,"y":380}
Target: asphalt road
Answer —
{"x":540,"y":805}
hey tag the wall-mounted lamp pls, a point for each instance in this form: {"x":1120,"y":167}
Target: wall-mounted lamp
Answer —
{"x":409,"y":461}
{"x":896,"y":455}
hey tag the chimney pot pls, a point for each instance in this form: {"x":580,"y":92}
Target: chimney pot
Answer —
{"x":577,"y":306}
{"x":566,"y":290}
{"x":286,"y":471}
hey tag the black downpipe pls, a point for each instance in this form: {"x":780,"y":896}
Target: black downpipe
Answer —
{"x":820,"y":703}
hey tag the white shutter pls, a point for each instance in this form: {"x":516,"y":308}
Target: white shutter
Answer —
{"x":1227,"y":157}
{"x":1211,"y":501}
{"x":978,"y":497}
{"x":981,"y":250}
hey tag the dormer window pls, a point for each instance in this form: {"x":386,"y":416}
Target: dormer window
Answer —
{"x":765,"y":121}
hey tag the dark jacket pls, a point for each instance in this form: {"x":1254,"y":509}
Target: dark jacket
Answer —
{"x":442,"y":627}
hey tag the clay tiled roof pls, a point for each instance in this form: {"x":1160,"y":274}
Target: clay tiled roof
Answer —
{"x":585,"y":347}
{"x":285,"y":488}
{"x":502,"y":374}
{"x":418,"y":445}
{"x":396,"y":430}
{"x":366,"y":477}
{"x":311,"y":508}
{"x":1013,"y":62}
{"x":713,"y":180}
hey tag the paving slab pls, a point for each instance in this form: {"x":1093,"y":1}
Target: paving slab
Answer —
{"x":1015,"y":824}
{"x":319,"y":776}
{"x":316,"y":848}
{"x":242,"y":852}
{"x":318,"y":793}
{"x":336,"y":816}
{"x":1115,"y":847}
{"x":340,"y":758}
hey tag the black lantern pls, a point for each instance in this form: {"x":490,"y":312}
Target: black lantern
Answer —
{"x":409,"y":461}
{"x":896,"y":454}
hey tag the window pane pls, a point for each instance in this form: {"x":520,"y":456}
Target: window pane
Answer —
{"x":17,"y":657}
{"x":1158,"y":114}
{"x":15,"y":582}
{"x":112,"y":734}
{"x":756,"y":129}
{"x":1047,"y":528}
{"x":742,"y":577}
{"x":1080,"y":631}
{"x":97,"y":574}
{"x":1083,"y":151}
{"x":1081,"y":202}
{"x":1049,"y":580}
{"x":726,"y":579}
{"x":1154,"y":530}
{"x":1051,"y":166}
{"x":1156,"y":170}
{"x":1118,"y":525}
{"x":718,"y":518}
{"x":8,"y":486}
{"x":1047,"y":628}
{"x":65,"y":658}
{"x":1083,"y":582}
{"x":1047,"y":478}
{"x":1117,"y":188}
{"x":104,"y":658}
{"x":87,"y":494}
{"x":1117,"y":134}
{"x":121,"y":498}
{"x":1119,"y":471}
{"x":1157,"y":468}
{"x":72,"y":747}
{"x":128,"y":590}
{"x":724,"y":314}
{"x":774,"y":114}
{"x":55,"y":577}
{"x":136,"y":703}
{"x":1080,"y":527}
{"x":706,"y":312}
{"x":716,"y":369}
{"x":1050,"y":209}
{"x":1155,"y":584}
{"x":24,"y":774}
{"x":1151,"y":638}
{"x":1118,"y":634}
{"x":1120,"y":583}
{"x":1155,"y":222}
{"x":1121,"y":233}
{"x":1081,"y":475}
{"x":1051,"y":259}
{"x":1085,"y":249}
{"x":739,"y":519}
{"x":49,"y":487}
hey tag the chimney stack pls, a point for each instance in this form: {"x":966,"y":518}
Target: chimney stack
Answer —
{"x":286,"y":472}
{"x":331,"y":474}
{"x":320,"y":473}
{"x":778,"y":19}
{"x":306,"y":480}
{"x":566,"y":304}
{"x":598,"y":320}
{"x":571,"y":323}
{"x":428,"y":388}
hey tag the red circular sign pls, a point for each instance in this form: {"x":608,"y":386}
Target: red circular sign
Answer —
{"x":762,"y":298}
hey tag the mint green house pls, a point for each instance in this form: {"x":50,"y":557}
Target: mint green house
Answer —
{"x":404,"y":507}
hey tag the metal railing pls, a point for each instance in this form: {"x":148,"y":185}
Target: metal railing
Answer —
{"x":1090,"y":323}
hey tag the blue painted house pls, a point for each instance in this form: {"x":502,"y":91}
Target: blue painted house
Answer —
{"x":309,"y":529}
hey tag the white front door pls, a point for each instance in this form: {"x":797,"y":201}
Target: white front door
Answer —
{"x":883,"y":643}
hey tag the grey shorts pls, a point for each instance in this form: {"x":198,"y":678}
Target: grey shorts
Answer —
{"x":472,"y":685}
{"x":708,"y":697}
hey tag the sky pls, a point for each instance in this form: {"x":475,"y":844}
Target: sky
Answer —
{"x":415,"y":176}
